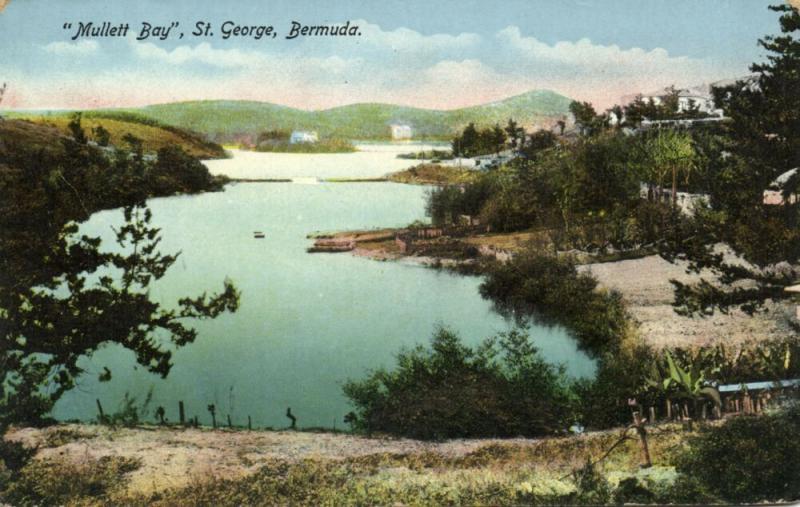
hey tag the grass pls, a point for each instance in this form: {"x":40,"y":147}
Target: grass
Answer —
{"x":153,"y":137}
{"x":323,"y":146}
{"x":497,"y":473}
{"x":433,"y":174}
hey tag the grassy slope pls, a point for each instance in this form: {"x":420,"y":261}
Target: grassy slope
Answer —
{"x":169,"y":466}
{"x":154,"y":137}
{"x":222,"y":120}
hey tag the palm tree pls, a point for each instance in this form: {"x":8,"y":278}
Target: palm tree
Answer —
{"x":672,"y":150}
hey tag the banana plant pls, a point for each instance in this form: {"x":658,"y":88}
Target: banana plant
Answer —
{"x":691,"y":383}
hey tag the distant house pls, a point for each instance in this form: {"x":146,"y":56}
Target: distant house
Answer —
{"x":774,"y":194}
{"x":699,"y":97}
{"x":401,"y":131}
{"x":302,"y":136}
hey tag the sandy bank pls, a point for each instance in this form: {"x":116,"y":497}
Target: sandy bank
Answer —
{"x":172,"y":458}
{"x":645,"y":285}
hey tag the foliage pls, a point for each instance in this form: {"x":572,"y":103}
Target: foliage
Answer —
{"x":586,"y":118}
{"x":761,"y":142}
{"x":61,"y":296}
{"x":776,"y":359}
{"x":550,"y":289}
{"x":102,"y":135}
{"x":76,"y":130}
{"x":588,"y":184}
{"x":322,"y":146}
{"x":53,"y":482}
{"x":748,"y":459}
{"x":690,"y":383}
{"x":452,"y":390}
{"x":130,"y":413}
{"x":473,"y":142}
{"x":603,"y":399}
{"x":592,"y":487}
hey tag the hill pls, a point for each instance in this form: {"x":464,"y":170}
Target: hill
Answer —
{"x":229,"y":121}
{"x":153,"y":134}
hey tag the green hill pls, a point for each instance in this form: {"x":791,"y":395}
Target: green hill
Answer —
{"x":229,"y":121}
{"x":153,"y":134}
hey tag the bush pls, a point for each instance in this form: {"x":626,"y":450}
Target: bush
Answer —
{"x":451,"y":391}
{"x":748,"y":459}
{"x":550,"y":289}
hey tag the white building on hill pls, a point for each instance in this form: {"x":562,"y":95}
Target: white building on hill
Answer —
{"x":402,"y":131}
{"x":302,"y":136}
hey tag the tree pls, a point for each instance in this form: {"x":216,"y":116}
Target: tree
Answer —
{"x":585,"y":116}
{"x":76,"y":130}
{"x":48,"y":325}
{"x":515,"y":133}
{"x":671,"y":151}
{"x":538,"y":141}
{"x":102,"y":135}
{"x":61,"y":295}
{"x":761,"y":141}
{"x":498,"y":139}
{"x":500,"y":388}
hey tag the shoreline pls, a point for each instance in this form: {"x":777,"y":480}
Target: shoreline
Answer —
{"x":642,"y":278}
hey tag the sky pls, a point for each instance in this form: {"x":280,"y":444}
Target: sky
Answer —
{"x":447,"y":55}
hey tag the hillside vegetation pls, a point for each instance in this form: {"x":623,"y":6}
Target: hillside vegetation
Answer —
{"x":153,"y":135}
{"x":228,"y":121}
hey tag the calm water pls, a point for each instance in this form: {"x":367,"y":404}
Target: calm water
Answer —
{"x":370,"y":161}
{"x":307,"y":322}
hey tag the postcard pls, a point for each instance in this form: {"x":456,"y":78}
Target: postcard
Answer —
{"x":295,"y":252}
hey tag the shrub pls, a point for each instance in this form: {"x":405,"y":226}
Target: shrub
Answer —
{"x":551,"y":289}
{"x":451,"y":390}
{"x":748,"y":459}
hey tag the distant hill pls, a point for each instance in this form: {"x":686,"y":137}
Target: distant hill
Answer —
{"x":229,"y":121}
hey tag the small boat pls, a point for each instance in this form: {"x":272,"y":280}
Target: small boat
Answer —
{"x":258,"y":235}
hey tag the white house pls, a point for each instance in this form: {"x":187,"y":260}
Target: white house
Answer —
{"x":401,"y":131}
{"x":697,"y":96}
{"x":302,"y":136}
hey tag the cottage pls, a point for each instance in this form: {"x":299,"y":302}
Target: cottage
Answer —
{"x":401,"y":131}
{"x":302,"y":136}
{"x":698,"y":97}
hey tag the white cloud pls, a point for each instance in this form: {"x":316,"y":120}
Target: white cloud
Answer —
{"x":401,"y":66}
{"x":590,"y":57}
{"x":405,"y":39}
{"x":80,"y":48}
{"x":202,"y":53}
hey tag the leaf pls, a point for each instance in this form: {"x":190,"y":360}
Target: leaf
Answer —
{"x":711,"y":392}
{"x":673,"y":370}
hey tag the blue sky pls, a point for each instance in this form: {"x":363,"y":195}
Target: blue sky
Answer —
{"x":446,"y":55}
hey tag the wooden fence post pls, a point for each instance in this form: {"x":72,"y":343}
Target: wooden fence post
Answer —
{"x":640,"y":429}
{"x":181,"y":413}
{"x":100,"y":409}
{"x":249,"y":423}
